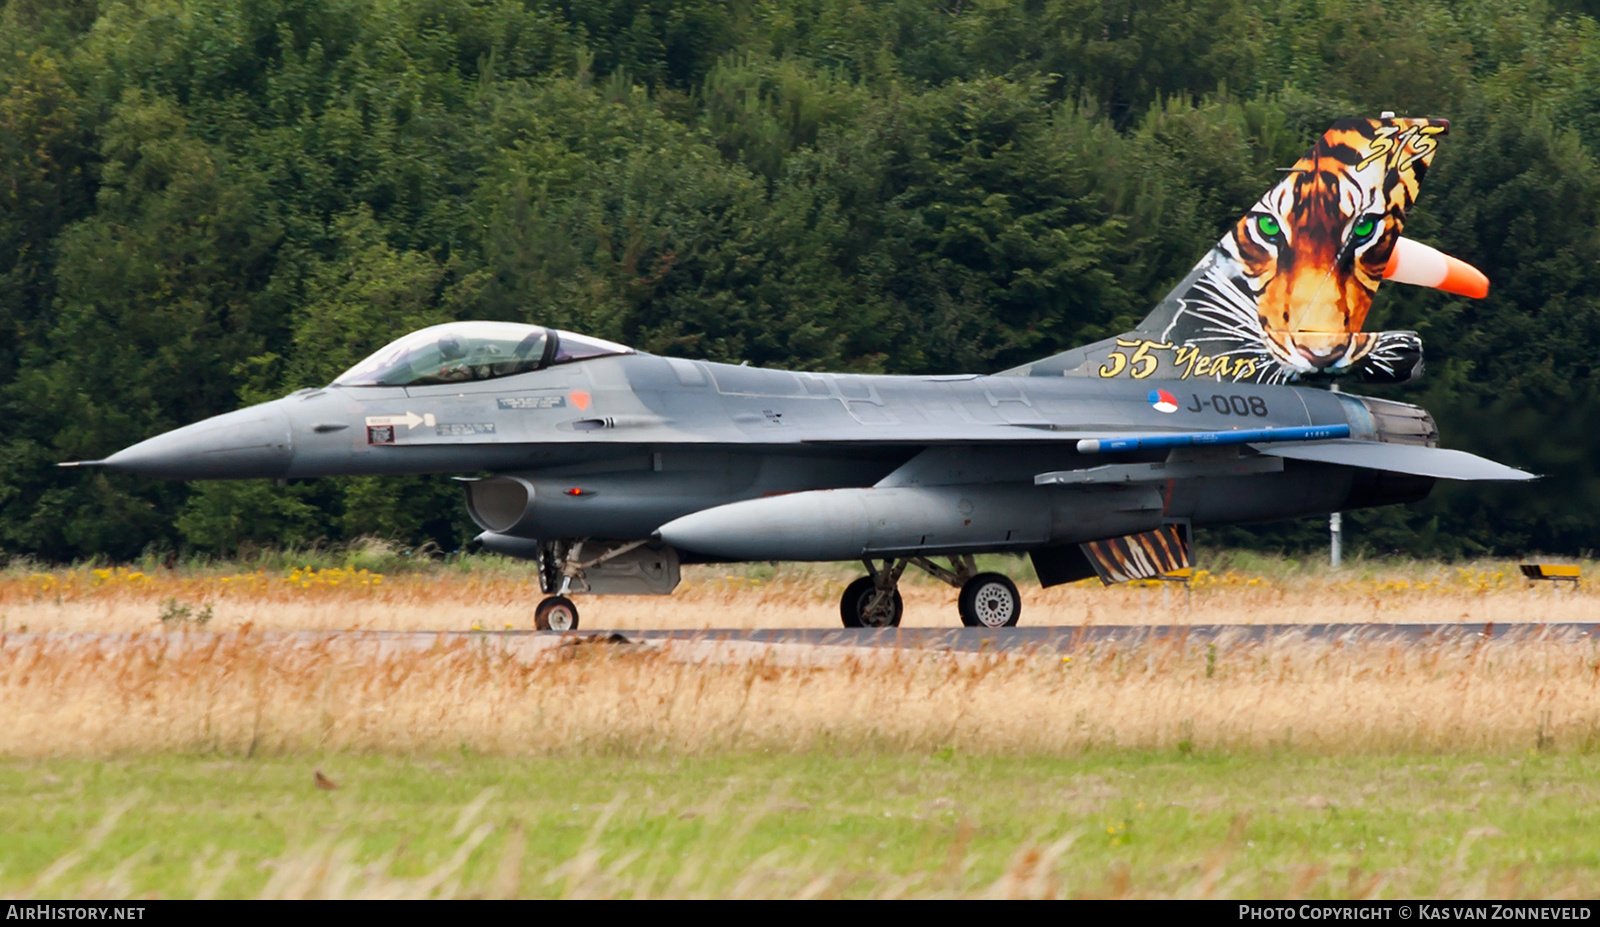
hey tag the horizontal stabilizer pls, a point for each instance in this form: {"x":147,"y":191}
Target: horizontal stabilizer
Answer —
{"x":1417,"y":460}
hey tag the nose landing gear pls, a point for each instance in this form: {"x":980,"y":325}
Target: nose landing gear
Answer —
{"x":556,"y":613}
{"x":562,"y":570}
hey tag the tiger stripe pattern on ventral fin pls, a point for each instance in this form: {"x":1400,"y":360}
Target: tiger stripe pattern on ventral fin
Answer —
{"x":1146,"y":555}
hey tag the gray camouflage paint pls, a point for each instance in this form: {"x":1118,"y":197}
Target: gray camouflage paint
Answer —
{"x":623,"y":447}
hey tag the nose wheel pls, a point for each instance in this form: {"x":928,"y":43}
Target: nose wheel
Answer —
{"x":562,"y":569}
{"x":556,"y":613}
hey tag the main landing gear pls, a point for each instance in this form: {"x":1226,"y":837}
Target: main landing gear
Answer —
{"x":988,"y":600}
{"x":873,"y":601}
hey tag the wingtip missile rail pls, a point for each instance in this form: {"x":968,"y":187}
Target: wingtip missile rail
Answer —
{"x":1213,"y":438}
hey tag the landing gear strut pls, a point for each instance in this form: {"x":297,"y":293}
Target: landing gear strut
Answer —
{"x":561,"y":571}
{"x":988,"y":600}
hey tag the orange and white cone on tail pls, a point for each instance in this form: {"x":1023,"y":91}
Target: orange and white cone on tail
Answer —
{"x":1415,"y":263}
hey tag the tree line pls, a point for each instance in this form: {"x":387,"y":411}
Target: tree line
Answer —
{"x":206,"y":203}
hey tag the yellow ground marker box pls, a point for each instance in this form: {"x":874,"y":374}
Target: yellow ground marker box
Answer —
{"x":1552,"y":572}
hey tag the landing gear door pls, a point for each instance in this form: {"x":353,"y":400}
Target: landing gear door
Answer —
{"x":648,"y":570}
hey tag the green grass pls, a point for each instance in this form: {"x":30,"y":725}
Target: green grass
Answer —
{"x":1136,"y":824}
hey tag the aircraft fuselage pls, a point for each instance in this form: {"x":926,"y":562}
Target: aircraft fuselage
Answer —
{"x":615,"y":447}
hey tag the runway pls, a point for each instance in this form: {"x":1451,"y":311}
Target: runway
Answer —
{"x":1062,"y":639}
{"x":834,"y":640}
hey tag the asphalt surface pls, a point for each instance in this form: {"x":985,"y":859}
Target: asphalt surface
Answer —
{"x":1067,"y":638}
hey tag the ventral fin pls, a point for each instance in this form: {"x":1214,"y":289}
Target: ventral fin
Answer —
{"x":1146,"y":555}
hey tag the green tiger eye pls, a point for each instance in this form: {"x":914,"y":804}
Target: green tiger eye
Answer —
{"x":1268,"y":226}
{"x":1364,"y":228}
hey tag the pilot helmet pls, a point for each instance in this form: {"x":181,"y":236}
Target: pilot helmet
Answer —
{"x":451,"y":348}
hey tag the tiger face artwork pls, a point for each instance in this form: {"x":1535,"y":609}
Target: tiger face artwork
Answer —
{"x":1288,"y":288}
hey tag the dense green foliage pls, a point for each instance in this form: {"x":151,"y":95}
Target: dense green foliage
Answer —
{"x":207,"y":202}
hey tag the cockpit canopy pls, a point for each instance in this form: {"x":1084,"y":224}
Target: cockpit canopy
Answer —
{"x":459,"y":351}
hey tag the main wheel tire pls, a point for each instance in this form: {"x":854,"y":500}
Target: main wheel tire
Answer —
{"x":556,"y":613}
{"x":990,"y":600}
{"x":858,"y":596}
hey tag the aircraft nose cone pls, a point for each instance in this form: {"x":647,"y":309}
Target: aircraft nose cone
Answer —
{"x":251,"y":443}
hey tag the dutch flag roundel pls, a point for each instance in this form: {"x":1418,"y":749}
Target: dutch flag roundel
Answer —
{"x":1163,"y":401}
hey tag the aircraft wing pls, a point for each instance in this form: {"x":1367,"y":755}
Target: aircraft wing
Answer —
{"x":1319,"y":443}
{"x":1088,"y":438}
{"x":1437,"y":462}
{"x":1325,"y":444}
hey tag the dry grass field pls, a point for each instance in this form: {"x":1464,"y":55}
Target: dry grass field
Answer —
{"x":245,"y":694}
{"x":177,"y":760}
{"x":494,"y":594}
{"x":182,"y":765}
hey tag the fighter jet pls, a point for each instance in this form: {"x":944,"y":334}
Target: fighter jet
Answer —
{"x":611,"y":467}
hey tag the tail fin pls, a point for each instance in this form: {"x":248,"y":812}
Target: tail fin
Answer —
{"x":1286,"y":291}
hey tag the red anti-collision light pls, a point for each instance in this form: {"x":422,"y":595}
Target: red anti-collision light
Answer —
{"x":577,"y":491}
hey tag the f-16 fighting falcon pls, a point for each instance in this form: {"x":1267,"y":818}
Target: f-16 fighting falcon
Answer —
{"x":610,"y":467}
